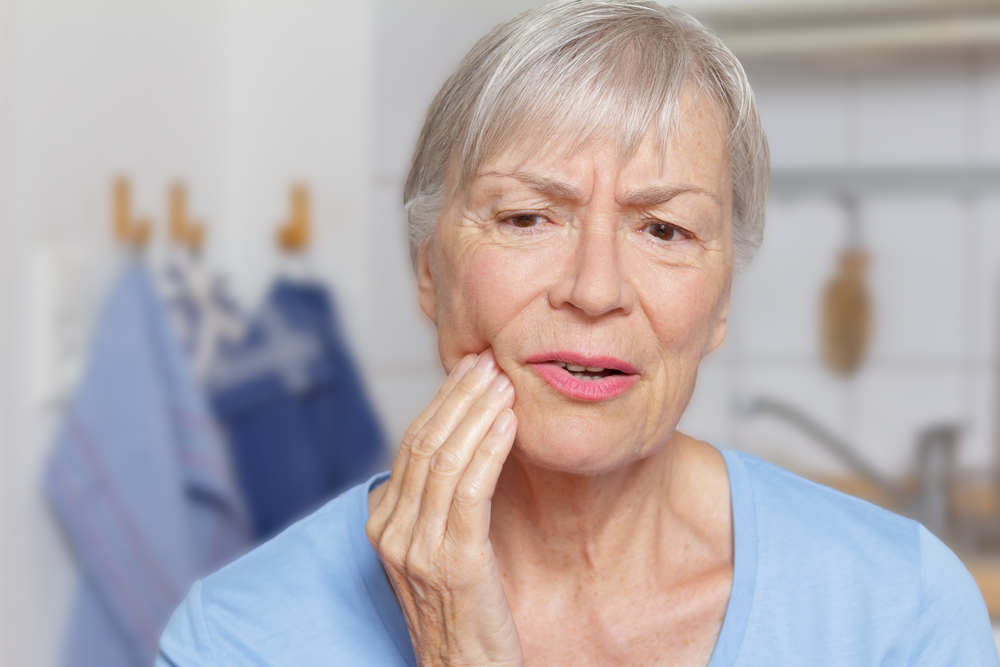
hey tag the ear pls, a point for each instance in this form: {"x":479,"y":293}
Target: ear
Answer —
{"x":426,"y":288}
{"x":721,"y":326}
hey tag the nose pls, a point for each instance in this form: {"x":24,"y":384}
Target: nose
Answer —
{"x":594,"y":281}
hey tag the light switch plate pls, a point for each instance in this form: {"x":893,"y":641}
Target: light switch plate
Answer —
{"x":60,"y":317}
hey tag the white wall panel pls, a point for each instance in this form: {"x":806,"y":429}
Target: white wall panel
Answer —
{"x":805,"y":111}
{"x":775,"y":307}
{"x":400,"y":337}
{"x":914,"y":111}
{"x":986,"y":98}
{"x":401,"y":396}
{"x":920,"y":278}
{"x":424,"y":41}
{"x":709,"y":415}
{"x":6,"y":443}
{"x":985,"y":287}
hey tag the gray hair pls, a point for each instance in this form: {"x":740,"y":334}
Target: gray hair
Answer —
{"x":598,"y":68}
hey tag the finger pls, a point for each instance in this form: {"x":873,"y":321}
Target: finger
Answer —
{"x":452,"y":459}
{"x":391,"y":495}
{"x":454,"y":408}
{"x":469,"y":518}
{"x":457,"y":373}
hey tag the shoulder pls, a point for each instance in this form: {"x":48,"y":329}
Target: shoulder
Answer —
{"x":293,"y":600}
{"x":837,"y":572}
{"x":819,"y":546}
{"x":313,"y":554}
{"x":791,"y":508}
{"x":952,"y":625}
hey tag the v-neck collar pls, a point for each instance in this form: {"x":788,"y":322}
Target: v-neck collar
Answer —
{"x":734,"y":624}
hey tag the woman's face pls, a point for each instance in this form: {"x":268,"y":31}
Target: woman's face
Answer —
{"x":560,"y":261}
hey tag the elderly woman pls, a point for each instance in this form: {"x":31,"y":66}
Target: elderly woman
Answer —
{"x":582,"y":192}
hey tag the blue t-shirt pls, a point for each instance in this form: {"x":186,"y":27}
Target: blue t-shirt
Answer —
{"x":819,"y":578}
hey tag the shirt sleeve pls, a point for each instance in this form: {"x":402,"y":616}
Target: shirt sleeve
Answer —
{"x":952,"y":625}
{"x":187,"y":641}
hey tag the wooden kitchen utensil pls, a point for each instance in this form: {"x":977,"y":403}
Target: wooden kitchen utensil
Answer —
{"x":846,"y":314}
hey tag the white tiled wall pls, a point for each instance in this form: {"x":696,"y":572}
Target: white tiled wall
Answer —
{"x":987,"y":100}
{"x":400,"y":347}
{"x":934,"y":276}
{"x":920,"y":275}
{"x":773,"y":313}
{"x":913,"y":110}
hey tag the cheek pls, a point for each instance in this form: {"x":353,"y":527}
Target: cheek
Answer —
{"x":682,"y":307}
{"x":492,"y":290}
{"x":489,"y":288}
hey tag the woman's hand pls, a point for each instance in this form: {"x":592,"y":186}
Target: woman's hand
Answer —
{"x":431,"y":527}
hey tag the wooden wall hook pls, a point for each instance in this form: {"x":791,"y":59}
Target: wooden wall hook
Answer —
{"x":184,"y":232}
{"x":295,"y":234}
{"x":131,"y":233}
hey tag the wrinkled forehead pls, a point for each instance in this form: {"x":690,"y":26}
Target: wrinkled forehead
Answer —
{"x":694,"y":121}
{"x":572,"y":117}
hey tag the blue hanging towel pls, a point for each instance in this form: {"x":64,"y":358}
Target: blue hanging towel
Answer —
{"x":141,"y":482}
{"x":294,"y":407}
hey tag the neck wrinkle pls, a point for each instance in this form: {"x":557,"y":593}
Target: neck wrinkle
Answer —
{"x":547,"y":524}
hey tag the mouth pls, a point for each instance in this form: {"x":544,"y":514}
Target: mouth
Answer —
{"x":587,"y":372}
{"x":583,"y":377}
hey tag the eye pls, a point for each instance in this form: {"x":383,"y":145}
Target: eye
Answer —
{"x":525,"y":220}
{"x":664,"y":232}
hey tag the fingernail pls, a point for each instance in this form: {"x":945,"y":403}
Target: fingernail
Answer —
{"x":463,"y":366}
{"x":501,"y":383}
{"x":503,"y":421}
{"x":486,"y":361}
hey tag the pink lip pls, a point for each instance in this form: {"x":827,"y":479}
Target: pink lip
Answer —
{"x":585,"y":390}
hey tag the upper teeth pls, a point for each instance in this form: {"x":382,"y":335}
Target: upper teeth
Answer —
{"x":574,"y":368}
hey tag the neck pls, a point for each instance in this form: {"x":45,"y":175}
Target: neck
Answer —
{"x":646,"y":514}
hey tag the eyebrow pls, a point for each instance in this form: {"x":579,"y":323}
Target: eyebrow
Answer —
{"x":546,"y":186}
{"x":658,"y":194}
{"x":553,"y":188}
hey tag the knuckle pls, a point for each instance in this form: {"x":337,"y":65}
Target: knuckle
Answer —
{"x":373,"y":532}
{"x":466,"y":389}
{"x":391,"y":553}
{"x":391,"y":548}
{"x":494,"y":444}
{"x":379,"y":518}
{"x":445,"y":462}
{"x":426,"y":444}
{"x":418,"y":565}
{"x":467,"y":496}
{"x":410,"y":436}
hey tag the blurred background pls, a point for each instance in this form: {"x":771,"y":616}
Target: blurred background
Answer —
{"x":263,"y":145}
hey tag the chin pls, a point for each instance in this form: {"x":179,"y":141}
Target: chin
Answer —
{"x":575,"y":445}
